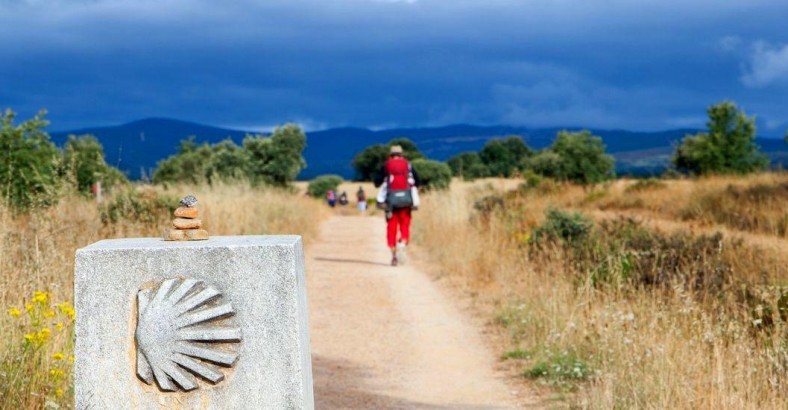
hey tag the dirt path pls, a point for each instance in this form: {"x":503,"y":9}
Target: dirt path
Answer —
{"x":385,"y":337}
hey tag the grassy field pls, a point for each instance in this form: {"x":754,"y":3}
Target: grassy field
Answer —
{"x":625,"y":296}
{"x":37,"y":262}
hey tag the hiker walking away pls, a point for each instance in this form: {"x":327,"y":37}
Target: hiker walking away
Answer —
{"x":398,"y":196}
{"x":361,"y":200}
{"x":331,"y":197}
{"x":343,"y":198}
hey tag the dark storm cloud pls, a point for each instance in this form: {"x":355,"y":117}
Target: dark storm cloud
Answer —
{"x":614,"y":63}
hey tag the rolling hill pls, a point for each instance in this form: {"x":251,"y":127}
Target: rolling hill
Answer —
{"x":137,"y":146}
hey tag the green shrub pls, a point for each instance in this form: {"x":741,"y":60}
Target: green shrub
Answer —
{"x":567,"y":228}
{"x":141,"y":205}
{"x":320,"y":186}
{"x":84,"y":164}
{"x":468,"y":166}
{"x":274,"y":160}
{"x":503,"y":157}
{"x":728,"y":146}
{"x":434,"y":175}
{"x":29,"y":163}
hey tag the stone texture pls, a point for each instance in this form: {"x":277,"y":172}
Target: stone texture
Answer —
{"x":195,"y":234}
{"x":262,"y":277}
{"x":184,"y":223}
{"x":174,"y":235}
{"x":185,"y":212}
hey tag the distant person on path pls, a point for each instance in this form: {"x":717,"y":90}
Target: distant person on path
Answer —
{"x":398,"y":196}
{"x":361,"y":200}
{"x":343,"y":198}
{"x":331,"y":197}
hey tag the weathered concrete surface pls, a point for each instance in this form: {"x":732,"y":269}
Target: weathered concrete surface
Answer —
{"x":261,"y":276}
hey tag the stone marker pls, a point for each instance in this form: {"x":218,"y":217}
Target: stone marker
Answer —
{"x":214,"y":324}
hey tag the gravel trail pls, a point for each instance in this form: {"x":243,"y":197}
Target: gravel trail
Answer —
{"x":387,"y":337}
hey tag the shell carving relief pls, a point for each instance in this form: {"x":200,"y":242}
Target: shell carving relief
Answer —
{"x":184,"y":333}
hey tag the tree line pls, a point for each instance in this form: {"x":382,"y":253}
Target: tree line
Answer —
{"x":35,"y":173}
{"x":727,"y":147}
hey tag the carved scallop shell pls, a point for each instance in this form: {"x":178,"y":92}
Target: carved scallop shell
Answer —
{"x":183,"y":329}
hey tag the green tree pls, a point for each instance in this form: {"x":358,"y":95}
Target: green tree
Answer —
{"x":274,"y":160}
{"x":468,"y":165}
{"x":29,"y":163}
{"x":727,"y":148}
{"x":84,"y":164}
{"x":434,"y":175}
{"x":287,"y":147}
{"x":190,"y":164}
{"x":320,"y":186}
{"x":504,"y":156}
{"x":228,"y":162}
{"x":370,"y":160}
{"x":574,"y":156}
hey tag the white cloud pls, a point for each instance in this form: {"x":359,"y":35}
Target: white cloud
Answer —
{"x":768,"y":65}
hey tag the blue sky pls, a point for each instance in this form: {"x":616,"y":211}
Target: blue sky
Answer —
{"x":641,"y":65}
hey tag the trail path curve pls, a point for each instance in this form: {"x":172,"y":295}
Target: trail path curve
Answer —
{"x":387,"y":337}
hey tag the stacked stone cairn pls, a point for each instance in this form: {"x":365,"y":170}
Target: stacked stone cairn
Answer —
{"x":186,"y":226}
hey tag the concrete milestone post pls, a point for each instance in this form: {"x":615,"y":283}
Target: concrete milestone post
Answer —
{"x":213,"y":324}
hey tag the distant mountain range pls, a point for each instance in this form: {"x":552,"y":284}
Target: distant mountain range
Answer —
{"x":136,"y":147}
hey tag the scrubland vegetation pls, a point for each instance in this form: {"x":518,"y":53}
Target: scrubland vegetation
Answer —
{"x":628,"y":309}
{"x":37,"y":263}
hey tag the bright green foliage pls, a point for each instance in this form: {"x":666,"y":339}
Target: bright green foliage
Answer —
{"x":468,"y":165}
{"x":727,"y":148}
{"x":369,"y":162}
{"x":284,"y":157}
{"x":84,"y":164}
{"x":29,"y":163}
{"x":434,"y":175}
{"x":274,"y":160}
{"x":320,"y":186}
{"x":574,"y":156}
{"x":504,"y":156}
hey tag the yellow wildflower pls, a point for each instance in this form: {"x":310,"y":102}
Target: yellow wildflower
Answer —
{"x":49,"y":313}
{"x":59,"y":392}
{"x":56,"y":372}
{"x":58,"y":356}
{"x":28,"y":307}
{"x":66,"y":309}
{"x":14,"y":312}
{"x":71,"y":359}
{"x":29,"y":337}
{"x":59,"y":325}
{"x":40,"y":297}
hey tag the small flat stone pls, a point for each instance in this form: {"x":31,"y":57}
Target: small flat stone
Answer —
{"x":174,"y":235}
{"x":195,"y":234}
{"x":186,"y":212}
{"x":184,"y":223}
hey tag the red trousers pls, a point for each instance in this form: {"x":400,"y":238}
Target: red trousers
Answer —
{"x":399,"y":218}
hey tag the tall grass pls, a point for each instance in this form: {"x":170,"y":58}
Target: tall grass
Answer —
{"x":620,"y":315}
{"x":37,"y":258}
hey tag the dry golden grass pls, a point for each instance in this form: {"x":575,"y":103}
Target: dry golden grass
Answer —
{"x":603,"y":346}
{"x":37,"y":254}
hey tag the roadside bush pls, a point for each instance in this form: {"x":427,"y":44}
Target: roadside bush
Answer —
{"x":140,"y":205}
{"x":567,"y":228}
{"x":84,"y":164}
{"x":29,"y":163}
{"x":434,"y":175}
{"x":504,"y":156}
{"x":575,"y":156}
{"x":319,"y":187}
